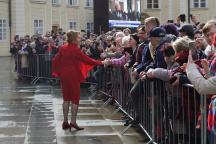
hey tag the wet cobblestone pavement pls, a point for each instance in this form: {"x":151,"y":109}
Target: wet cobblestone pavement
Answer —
{"x":32,"y":114}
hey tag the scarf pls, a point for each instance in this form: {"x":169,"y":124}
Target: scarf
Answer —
{"x":182,"y":58}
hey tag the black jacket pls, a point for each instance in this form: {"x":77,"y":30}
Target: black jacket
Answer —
{"x":39,"y":49}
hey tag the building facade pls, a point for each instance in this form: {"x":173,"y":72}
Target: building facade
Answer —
{"x":204,"y":10}
{"x":30,"y":17}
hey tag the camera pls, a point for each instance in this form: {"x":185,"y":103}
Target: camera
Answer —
{"x":170,"y":21}
{"x":191,"y":15}
{"x":182,"y":17}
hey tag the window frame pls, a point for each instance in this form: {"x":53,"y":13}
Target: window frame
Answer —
{"x":89,"y":3}
{"x":70,"y":25}
{"x":68,"y":2}
{"x":38,"y":26}
{"x":199,"y":4}
{"x":90,"y":26}
{"x":3,"y":29}
{"x":56,"y":3}
{"x":152,"y":2}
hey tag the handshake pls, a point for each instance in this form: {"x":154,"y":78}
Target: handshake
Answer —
{"x":107,"y":62}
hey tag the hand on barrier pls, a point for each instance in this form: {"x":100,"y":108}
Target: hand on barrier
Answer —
{"x":34,"y":51}
{"x":150,"y":73}
{"x":143,"y":78}
{"x":141,"y":74}
{"x":135,"y":73}
{"x":177,"y":80}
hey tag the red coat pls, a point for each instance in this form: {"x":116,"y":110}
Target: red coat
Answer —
{"x":72,"y":66}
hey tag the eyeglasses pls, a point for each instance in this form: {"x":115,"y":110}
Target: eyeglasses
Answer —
{"x":207,"y":36}
{"x":108,"y":40}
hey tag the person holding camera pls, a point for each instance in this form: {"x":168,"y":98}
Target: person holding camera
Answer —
{"x":49,"y":50}
{"x":72,"y":66}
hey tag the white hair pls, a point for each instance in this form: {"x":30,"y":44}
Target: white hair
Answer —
{"x":126,"y":38}
{"x":119,"y":38}
{"x":45,"y":38}
{"x":120,"y":34}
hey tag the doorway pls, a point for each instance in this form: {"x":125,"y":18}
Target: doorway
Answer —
{"x":55,"y":28}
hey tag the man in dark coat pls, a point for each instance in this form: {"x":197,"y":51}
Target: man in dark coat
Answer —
{"x":118,"y":14}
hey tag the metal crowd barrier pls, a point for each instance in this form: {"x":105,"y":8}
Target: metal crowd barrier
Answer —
{"x":35,"y":68}
{"x":167,"y":114}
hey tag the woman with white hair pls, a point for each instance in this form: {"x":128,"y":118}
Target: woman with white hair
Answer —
{"x":121,"y":61}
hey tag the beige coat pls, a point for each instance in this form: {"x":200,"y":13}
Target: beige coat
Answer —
{"x":202,"y":85}
{"x":24,"y":60}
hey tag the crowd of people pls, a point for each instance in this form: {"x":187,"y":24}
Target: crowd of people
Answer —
{"x":173,"y":55}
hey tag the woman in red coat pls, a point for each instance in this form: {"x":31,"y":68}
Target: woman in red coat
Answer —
{"x":72,"y":66}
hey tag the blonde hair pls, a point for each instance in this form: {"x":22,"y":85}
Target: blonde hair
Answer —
{"x":181,"y":44}
{"x":111,"y":38}
{"x":72,"y":36}
{"x":32,"y":43}
{"x":127,"y":29}
{"x":153,"y":21}
{"x":86,"y":42}
{"x":208,"y":25}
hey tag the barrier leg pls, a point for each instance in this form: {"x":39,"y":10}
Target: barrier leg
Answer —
{"x":126,"y":129}
{"x":115,"y":112}
{"x":93,"y":95}
{"x":107,"y":102}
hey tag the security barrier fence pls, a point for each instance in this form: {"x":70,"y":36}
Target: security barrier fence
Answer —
{"x":167,"y":114}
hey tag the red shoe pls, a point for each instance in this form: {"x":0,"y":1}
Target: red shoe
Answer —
{"x":65,"y":125}
{"x":75,"y":126}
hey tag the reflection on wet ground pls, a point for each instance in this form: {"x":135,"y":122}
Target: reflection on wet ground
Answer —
{"x":33,"y":114}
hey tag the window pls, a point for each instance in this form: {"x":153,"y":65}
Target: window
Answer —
{"x":38,"y":27}
{"x":90,"y":27}
{"x":152,"y":4}
{"x":3,"y":29}
{"x":199,"y":3}
{"x":55,"y":2}
{"x":89,"y":3}
{"x":72,"y":25}
{"x":73,"y":2}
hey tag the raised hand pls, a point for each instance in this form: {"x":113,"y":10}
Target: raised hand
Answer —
{"x":205,"y":65}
